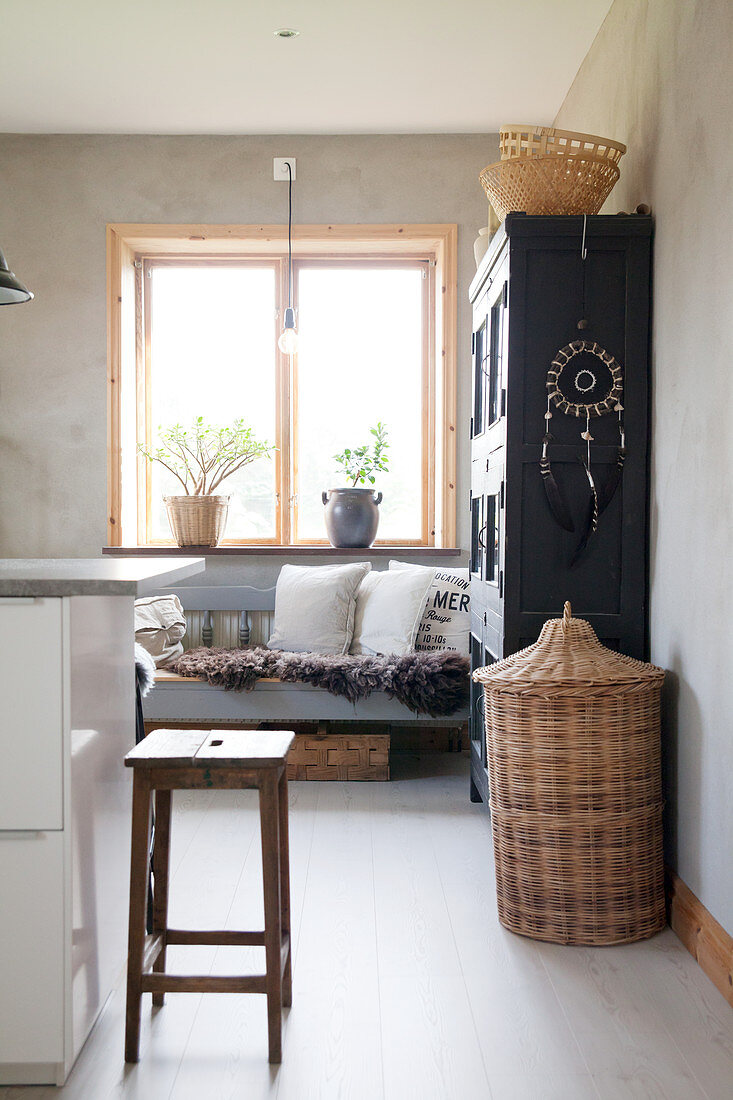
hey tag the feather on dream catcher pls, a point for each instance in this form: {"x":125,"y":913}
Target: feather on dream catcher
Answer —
{"x":585,"y":381}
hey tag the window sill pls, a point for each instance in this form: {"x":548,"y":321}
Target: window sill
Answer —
{"x":282,"y":551}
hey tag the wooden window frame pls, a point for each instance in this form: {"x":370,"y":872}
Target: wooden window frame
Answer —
{"x":131,"y":246}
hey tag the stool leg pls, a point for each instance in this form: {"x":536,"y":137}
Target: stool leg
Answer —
{"x":269,"y":825}
{"x":139,"y":849}
{"x":161,"y":870}
{"x":282,"y":792}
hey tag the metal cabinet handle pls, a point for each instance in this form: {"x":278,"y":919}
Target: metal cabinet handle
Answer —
{"x":481,"y":542}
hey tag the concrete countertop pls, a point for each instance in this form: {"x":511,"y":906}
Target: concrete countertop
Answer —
{"x":92,"y":576}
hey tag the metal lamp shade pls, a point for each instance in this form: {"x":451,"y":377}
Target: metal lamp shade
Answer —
{"x":11,"y":288}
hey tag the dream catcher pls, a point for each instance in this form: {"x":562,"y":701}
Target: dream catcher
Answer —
{"x":584,"y":381}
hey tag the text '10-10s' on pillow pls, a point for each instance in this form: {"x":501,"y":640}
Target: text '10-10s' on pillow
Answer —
{"x":446,"y":617}
{"x":315,"y":606}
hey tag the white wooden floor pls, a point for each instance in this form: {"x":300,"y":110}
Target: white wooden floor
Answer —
{"x":405,"y":985}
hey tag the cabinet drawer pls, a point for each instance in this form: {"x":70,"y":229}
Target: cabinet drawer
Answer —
{"x":31,"y":717}
{"x":31,"y":948}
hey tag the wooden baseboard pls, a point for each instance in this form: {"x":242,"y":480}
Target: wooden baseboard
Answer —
{"x":706,"y":940}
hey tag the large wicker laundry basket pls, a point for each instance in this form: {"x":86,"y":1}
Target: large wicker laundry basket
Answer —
{"x":573,"y":742}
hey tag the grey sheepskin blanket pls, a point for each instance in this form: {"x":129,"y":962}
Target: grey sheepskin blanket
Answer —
{"x":430,"y":683}
{"x":144,"y":670}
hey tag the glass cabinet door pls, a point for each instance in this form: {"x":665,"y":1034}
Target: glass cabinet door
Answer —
{"x":479,"y":381}
{"x":488,"y":359}
{"x":480,"y":657}
{"x":494,"y":365}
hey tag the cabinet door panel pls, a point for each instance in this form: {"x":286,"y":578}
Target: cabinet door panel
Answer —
{"x":32,"y":724}
{"x":32,"y":948}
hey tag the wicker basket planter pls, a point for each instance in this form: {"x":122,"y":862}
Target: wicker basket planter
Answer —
{"x":197,"y":520}
{"x":573,"y":740}
{"x":549,"y":171}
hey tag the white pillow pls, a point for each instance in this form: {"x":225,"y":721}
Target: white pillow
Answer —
{"x":388,"y":610}
{"x":314,"y":607}
{"x":446,"y":620}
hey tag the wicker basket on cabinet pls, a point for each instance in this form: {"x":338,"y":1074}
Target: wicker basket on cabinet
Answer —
{"x":537,"y":141}
{"x":573,"y":745}
{"x":544,"y":170}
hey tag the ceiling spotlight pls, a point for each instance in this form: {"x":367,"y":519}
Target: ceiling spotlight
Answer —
{"x":286,"y":32}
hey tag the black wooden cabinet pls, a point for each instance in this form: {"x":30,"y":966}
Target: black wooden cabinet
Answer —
{"x":532,"y":288}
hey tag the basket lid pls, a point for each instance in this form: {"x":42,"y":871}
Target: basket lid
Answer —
{"x":567,"y":653}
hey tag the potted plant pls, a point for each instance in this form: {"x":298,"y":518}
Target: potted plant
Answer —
{"x":352,"y":513}
{"x":201,"y":458}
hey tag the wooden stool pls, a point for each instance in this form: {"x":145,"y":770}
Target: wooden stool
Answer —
{"x":169,"y":760}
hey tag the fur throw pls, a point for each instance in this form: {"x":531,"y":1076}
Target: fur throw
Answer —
{"x":144,"y":670}
{"x":430,"y":683}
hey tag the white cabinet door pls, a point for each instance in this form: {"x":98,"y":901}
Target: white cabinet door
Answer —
{"x":31,"y":722}
{"x":31,"y":948}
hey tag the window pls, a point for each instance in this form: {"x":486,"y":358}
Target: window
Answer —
{"x":194,"y":318}
{"x":210,"y":351}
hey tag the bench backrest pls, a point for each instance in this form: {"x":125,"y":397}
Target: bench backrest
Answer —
{"x":241,"y":598}
{"x":225,"y":597}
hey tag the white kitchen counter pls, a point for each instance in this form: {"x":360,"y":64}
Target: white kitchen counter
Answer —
{"x":92,"y":576}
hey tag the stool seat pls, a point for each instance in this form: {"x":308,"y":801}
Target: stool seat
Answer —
{"x":168,"y":760}
{"x":203,"y":748}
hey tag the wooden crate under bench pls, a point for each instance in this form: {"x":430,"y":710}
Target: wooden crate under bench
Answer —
{"x":339,"y":756}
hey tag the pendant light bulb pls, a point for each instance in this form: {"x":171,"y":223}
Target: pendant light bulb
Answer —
{"x":288,"y":340}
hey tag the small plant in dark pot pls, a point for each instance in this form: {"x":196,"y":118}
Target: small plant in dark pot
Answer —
{"x":352,"y":513}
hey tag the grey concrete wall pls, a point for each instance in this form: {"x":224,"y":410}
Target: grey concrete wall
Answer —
{"x":658,"y":77}
{"x":59,"y":192}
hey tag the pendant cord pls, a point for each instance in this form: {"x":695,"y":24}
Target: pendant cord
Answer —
{"x":290,"y":235}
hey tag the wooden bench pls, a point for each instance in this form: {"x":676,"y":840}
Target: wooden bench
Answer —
{"x":335,"y":739}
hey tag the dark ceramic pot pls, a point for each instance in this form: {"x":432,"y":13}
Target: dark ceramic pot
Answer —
{"x":352,"y":516}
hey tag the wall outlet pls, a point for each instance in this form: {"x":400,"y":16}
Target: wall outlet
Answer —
{"x":280,"y":171}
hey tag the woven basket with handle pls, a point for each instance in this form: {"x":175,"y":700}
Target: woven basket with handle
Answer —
{"x":573,"y":743}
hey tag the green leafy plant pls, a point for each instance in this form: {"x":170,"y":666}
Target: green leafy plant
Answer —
{"x":362,"y":463}
{"x":203,"y":455}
